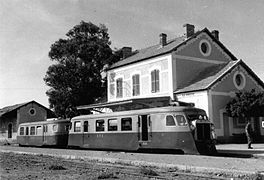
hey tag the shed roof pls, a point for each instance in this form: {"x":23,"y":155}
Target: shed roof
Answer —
{"x":12,"y":108}
{"x":171,"y":45}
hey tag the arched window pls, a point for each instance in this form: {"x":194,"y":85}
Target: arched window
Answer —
{"x":155,"y":81}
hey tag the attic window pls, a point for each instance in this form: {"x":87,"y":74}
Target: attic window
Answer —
{"x":205,"y":47}
{"x":239,"y":80}
{"x":32,"y":111}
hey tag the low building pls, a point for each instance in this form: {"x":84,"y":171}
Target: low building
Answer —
{"x":12,"y":116}
{"x":195,"y":68}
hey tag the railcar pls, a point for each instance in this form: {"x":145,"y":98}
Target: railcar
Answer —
{"x":176,"y":128}
{"x":44,"y":133}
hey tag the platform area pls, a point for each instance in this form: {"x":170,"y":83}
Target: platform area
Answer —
{"x":241,"y":149}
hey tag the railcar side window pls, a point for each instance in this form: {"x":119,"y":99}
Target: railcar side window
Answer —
{"x":32,"y":130}
{"x":181,"y":120}
{"x":99,"y":125}
{"x":77,"y":126}
{"x":26,"y":130}
{"x":126,"y":124}
{"x":21,"y":130}
{"x":55,"y":127}
{"x":112,"y":124}
{"x":85,"y":126}
{"x":170,"y":120}
{"x":38,"y":131}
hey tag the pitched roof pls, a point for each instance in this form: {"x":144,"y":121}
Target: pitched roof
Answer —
{"x":9,"y":109}
{"x":209,"y":76}
{"x":171,"y":45}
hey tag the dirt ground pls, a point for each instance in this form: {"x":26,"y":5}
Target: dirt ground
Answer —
{"x":24,"y":166}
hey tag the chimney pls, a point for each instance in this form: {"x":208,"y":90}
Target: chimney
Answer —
{"x":163,"y":39}
{"x":126,"y":51}
{"x":215,"y":33}
{"x":189,"y":30}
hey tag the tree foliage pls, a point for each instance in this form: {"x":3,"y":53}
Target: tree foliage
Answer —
{"x":246,"y":104}
{"x":75,"y":77}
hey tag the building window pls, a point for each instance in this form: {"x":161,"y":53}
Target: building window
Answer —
{"x":205,"y":47}
{"x":239,"y":122}
{"x":126,"y":124}
{"x":21,"y":131}
{"x":239,"y":80}
{"x":136,"y":85}
{"x":85,"y":126}
{"x":181,"y":121}
{"x":112,"y":125}
{"x":77,"y":126}
{"x":32,"y":111}
{"x":45,"y":128}
{"x":119,"y":88}
{"x":99,"y":125}
{"x":170,"y":120}
{"x":32,"y":130}
{"x":155,"y":81}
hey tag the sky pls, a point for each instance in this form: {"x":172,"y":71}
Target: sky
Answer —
{"x":29,"y":27}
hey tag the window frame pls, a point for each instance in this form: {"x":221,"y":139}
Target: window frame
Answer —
{"x":22,"y":134}
{"x":115,"y":127}
{"x":119,"y":87}
{"x":86,"y":126}
{"x":97,"y":127}
{"x":75,"y":128}
{"x":170,"y":125}
{"x":122,"y":124}
{"x":32,"y":130}
{"x":155,"y":80}
{"x":179,"y":123}
{"x":136,"y":84}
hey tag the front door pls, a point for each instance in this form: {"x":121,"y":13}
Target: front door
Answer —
{"x":226,"y":126}
{"x":9,"y":130}
{"x":45,"y":133}
{"x":144,"y":127}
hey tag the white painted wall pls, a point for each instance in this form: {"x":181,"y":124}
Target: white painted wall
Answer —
{"x":200,"y":99}
{"x":144,"y":68}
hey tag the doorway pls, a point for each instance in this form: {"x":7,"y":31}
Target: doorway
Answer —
{"x":144,"y":127}
{"x":9,"y":130}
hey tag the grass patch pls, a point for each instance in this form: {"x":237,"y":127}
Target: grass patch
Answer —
{"x":148,"y":171}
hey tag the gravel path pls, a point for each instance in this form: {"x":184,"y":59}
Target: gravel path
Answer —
{"x":193,"y":163}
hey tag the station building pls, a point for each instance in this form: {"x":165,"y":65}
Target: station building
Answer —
{"x":195,"y":68}
{"x":12,"y":116}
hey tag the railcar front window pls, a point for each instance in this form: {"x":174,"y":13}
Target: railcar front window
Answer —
{"x":170,"y":120}
{"x":99,"y":125}
{"x":32,"y":130}
{"x":77,"y":126}
{"x":85,"y":126}
{"x":112,"y":125}
{"x":181,"y":121}
{"x":126,"y":124}
{"x":21,"y":131}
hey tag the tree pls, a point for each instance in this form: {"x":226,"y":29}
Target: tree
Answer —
{"x":246,"y":104}
{"x":75,"y":79}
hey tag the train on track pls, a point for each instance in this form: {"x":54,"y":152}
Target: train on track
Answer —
{"x":173,"y":128}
